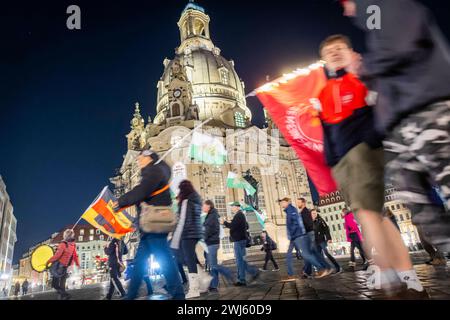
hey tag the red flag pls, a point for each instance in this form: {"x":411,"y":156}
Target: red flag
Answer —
{"x":289,"y":102}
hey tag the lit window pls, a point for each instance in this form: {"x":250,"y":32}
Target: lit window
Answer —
{"x":224,"y":76}
{"x":92,"y":231}
{"x":80,"y":238}
{"x":239,"y":120}
{"x":91,"y":238}
{"x":82,"y":232}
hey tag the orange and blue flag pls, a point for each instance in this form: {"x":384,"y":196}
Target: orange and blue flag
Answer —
{"x":101,"y":215}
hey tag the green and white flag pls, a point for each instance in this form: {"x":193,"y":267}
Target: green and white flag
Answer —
{"x":235,"y":181}
{"x":207,"y":149}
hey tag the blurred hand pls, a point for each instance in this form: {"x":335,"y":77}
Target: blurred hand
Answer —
{"x":356,"y":64}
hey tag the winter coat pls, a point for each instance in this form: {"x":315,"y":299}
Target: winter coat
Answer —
{"x":192,"y":228}
{"x":238,"y":227}
{"x":408,"y":60}
{"x":268,"y":245}
{"x":294,"y":223}
{"x":114,"y":247}
{"x":212,"y":228}
{"x":351,"y":226}
{"x":154,"y":177}
{"x":66,"y":254}
{"x":321,"y":230}
{"x":307,"y":219}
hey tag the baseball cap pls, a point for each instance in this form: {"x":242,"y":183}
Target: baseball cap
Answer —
{"x":235,"y":204}
{"x":285,"y":199}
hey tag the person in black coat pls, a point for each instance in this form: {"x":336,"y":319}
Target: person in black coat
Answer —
{"x":189,"y":232}
{"x":115,"y":250}
{"x":268,"y":246}
{"x":323,"y":237}
{"x":212,"y":240}
{"x":154,"y":189}
{"x":238,"y":234}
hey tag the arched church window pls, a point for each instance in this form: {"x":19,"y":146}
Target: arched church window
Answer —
{"x":176,"y":112}
{"x":199,"y":28}
{"x":239,"y":120}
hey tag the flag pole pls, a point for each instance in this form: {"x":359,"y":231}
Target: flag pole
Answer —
{"x":77,"y":222}
{"x":183,"y":139}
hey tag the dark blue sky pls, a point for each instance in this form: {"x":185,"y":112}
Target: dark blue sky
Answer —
{"x":66,"y":97}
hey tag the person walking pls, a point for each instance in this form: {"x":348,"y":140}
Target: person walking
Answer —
{"x":189,"y":232}
{"x":437,"y":258}
{"x":296,"y":232}
{"x":309,"y":227}
{"x":115,"y":250}
{"x":65,"y":256}
{"x":154,"y":192}
{"x":238,"y":233}
{"x":268,"y":246}
{"x":212,"y":240}
{"x":323,"y":238}
{"x":408,"y":66}
{"x":354,"y":152}
{"x":17,"y":288}
{"x":353,"y":236}
{"x":25,"y":285}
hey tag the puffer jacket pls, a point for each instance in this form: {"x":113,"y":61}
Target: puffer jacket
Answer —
{"x":212,"y":228}
{"x":192,"y":228}
{"x":351,"y":226}
{"x":66,"y":254}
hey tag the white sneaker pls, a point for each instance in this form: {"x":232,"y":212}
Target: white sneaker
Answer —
{"x":194,"y":286}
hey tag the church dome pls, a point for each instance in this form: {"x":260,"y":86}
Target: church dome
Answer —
{"x":215,"y":84}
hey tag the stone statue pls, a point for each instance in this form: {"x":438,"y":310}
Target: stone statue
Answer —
{"x":192,"y":113}
{"x":251,"y":200}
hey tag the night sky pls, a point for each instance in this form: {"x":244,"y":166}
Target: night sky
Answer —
{"x":67,"y":97}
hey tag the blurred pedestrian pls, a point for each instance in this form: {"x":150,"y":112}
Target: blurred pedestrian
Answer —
{"x":152,"y":198}
{"x":354,"y":236}
{"x":25,"y":285}
{"x":65,"y":256}
{"x":268,"y":246}
{"x":212,"y":240}
{"x":309,"y":226}
{"x":17,"y":288}
{"x":354,"y":151}
{"x":296,"y":232}
{"x":189,"y":232}
{"x":239,"y":236}
{"x":115,"y":250}
{"x":323,"y":238}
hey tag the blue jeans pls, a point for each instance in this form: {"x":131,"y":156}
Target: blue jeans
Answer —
{"x":317,"y":253}
{"x":290,"y":267}
{"x":310,"y":256}
{"x":217,"y":268}
{"x":156,"y":245}
{"x":242,"y":265}
{"x":323,"y":250}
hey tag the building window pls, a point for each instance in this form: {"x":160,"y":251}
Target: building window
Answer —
{"x":176,"y":110}
{"x":261,"y":198}
{"x":91,"y":231}
{"x":331,"y":217}
{"x":80,"y":238}
{"x":239,"y":120}
{"x":102,"y":237}
{"x":334,"y":227}
{"x":401,"y":218}
{"x":224,"y":77}
{"x":91,"y":238}
{"x":82,"y":232}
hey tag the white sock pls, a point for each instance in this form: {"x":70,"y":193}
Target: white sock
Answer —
{"x":410,"y":278}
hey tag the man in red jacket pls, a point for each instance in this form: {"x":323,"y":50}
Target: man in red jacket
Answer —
{"x":65,"y":256}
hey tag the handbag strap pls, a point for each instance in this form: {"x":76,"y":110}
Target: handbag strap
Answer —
{"x":165,"y":188}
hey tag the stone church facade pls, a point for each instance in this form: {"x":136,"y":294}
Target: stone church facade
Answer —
{"x":199,"y":84}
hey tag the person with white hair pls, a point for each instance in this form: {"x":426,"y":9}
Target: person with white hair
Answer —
{"x":65,"y":256}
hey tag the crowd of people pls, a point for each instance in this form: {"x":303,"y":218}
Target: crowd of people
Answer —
{"x":403,"y":138}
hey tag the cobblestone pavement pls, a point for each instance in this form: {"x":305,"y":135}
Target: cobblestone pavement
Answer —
{"x":270,"y":285}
